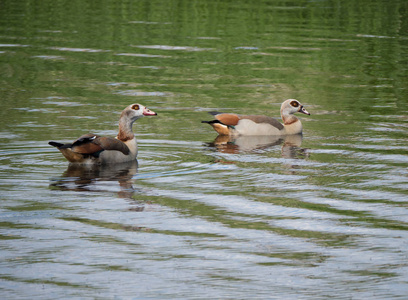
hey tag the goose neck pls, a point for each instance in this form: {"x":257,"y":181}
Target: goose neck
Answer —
{"x":125,"y":130}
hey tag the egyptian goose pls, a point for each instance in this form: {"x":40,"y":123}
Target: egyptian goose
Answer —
{"x":94,"y":149}
{"x":236,"y":125}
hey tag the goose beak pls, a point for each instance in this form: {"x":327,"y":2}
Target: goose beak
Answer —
{"x":304,"y":111}
{"x":148,"y":112}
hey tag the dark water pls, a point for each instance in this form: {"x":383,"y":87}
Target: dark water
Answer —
{"x":323,"y":216}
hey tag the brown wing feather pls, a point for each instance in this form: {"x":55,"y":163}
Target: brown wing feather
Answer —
{"x":91,"y":143}
{"x":228,"y":119}
{"x":264,"y":119}
{"x":85,"y":144}
{"x":108,"y":143}
{"x":88,"y":148}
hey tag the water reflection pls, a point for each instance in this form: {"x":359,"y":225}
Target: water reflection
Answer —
{"x":291,"y":144}
{"x":258,"y":222}
{"x":86,"y":178}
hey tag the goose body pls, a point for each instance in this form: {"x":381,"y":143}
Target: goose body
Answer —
{"x":245,"y":125}
{"x":94,"y":149}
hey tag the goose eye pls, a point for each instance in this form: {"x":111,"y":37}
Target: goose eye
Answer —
{"x":294,"y":103}
{"x":135,"y":107}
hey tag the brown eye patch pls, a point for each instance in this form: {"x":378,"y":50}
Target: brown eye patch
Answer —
{"x":135,"y":107}
{"x":294,"y":103}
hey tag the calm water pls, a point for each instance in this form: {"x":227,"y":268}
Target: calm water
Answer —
{"x":323,"y":216}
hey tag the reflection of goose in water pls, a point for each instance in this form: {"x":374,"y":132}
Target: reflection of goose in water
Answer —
{"x":88,"y":177}
{"x":241,"y":144}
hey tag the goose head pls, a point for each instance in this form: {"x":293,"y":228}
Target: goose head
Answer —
{"x":129,"y":115}
{"x":136,"y":111}
{"x":291,"y":106}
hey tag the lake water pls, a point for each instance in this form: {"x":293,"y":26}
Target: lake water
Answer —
{"x":200,"y":217}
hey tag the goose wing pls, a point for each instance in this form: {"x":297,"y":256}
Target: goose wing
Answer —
{"x":227,"y":119}
{"x":93,"y":144}
{"x":264,"y":119}
{"x":233,"y":119}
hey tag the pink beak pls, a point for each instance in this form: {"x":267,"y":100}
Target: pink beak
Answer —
{"x":148,"y":112}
